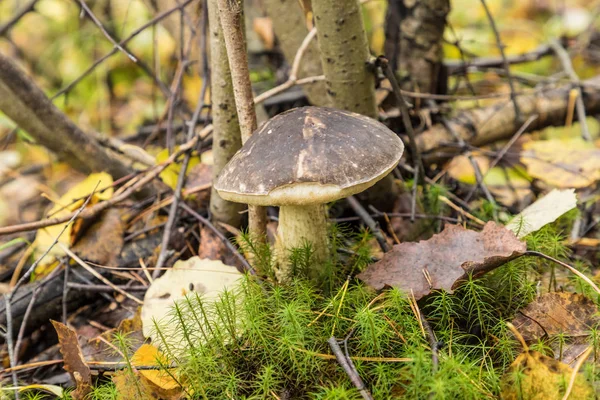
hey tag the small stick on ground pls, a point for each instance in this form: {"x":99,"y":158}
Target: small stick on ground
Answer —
{"x":9,"y":342}
{"x":220,"y":235}
{"x":567,"y":266}
{"x":350,"y":371}
{"x":371,"y":223}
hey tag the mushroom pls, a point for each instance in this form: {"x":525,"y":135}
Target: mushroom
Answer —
{"x":302,"y":159}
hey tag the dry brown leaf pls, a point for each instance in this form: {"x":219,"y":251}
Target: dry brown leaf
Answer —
{"x":443,"y":260}
{"x":571,"y":163}
{"x":534,"y":376}
{"x":553,"y":313}
{"x":74,"y":363}
{"x":102,"y":242}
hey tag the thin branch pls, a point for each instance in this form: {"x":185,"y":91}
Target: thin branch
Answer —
{"x":232,"y":23}
{"x":565,"y":60}
{"x":504,"y":61}
{"x":97,"y":275}
{"x":373,"y":226}
{"x":293,"y":77}
{"x":122,"y":43}
{"x":220,"y":235}
{"x":150,"y":174}
{"x":7,"y":26}
{"x":105,"y":32}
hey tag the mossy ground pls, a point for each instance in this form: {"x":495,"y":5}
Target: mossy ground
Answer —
{"x":270,"y":341}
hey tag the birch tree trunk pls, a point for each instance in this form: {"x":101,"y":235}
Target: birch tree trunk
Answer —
{"x":226,"y":129}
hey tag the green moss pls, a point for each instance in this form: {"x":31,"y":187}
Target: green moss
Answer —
{"x":272,"y":339}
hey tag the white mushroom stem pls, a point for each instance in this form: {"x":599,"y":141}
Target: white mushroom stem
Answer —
{"x":299,"y":225}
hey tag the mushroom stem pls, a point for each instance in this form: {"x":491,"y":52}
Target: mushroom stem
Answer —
{"x":299,"y":225}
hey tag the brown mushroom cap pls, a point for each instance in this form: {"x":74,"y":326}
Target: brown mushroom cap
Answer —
{"x":310,"y":155}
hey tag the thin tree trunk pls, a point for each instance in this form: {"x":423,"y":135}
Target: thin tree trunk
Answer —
{"x":232,"y":23}
{"x":414,"y":31}
{"x":289,"y":24}
{"x":226,"y":132}
{"x":350,"y":84}
{"x":25,"y":103}
{"x":344,"y":55}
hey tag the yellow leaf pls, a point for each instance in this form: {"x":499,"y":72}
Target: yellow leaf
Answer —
{"x":162,"y":379}
{"x":170,"y":174}
{"x":68,"y":203}
{"x":571,"y":163}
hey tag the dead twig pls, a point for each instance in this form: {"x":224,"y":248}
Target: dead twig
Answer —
{"x":373,"y":226}
{"x":293,"y":77}
{"x":7,"y":26}
{"x":220,"y":235}
{"x":150,"y":174}
{"x":565,"y":60}
{"x":122,"y":43}
{"x":504,"y":61}
{"x":350,"y":371}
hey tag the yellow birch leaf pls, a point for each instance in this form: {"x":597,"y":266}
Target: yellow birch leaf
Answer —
{"x":571,"y":163}
{"x":68,"y":203}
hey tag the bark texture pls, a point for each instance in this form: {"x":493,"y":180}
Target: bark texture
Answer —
{"x":232,"y":23}
{"x":289,"y":24}
{"x":25,"y":103}
{"x":414,"y":31}
{"x":482,"y":126}
{"x":226,"y":129}
{"x":350,"y":84}
{"x":344,"y":55}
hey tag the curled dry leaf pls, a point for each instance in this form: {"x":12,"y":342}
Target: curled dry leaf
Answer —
{"x":74,"y":362}
{"x":445,"y":259}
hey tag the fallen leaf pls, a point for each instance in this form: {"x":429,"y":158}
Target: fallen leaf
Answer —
{"x":58,"y":391}
{"x":263,"y":26}
{"x":74,"y":363}
{"x":553,"y":313}
{"x":534,"y":376}
{"x":569,"y":314}
{"x":129,"y":387}
{"x":209,"y":278}
{"x":542,"y":212}
{"x":69,"y":202}
{"x":445,"y":259}
{"x":103,"y":241}
{"x":508,"y":185}
{"x":572,"y":163}
{"x":161,"y":380}
{"x":170,"y":174}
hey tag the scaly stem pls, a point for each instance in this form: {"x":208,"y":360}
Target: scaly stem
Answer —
{"x":298,"y":226}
